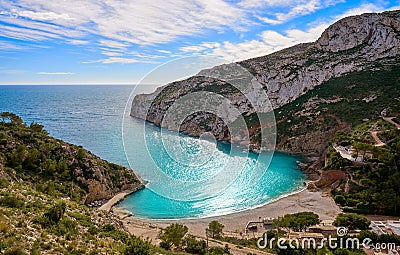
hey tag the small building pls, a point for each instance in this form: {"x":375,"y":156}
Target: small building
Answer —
{"x":268,"y":221}
{"x":325,"y":227}
{"x":389,"y":227}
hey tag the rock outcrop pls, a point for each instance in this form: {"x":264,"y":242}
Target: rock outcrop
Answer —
{"x":350,"y":45}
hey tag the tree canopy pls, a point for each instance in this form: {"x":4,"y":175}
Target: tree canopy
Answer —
{"x":173,"y":235}
{"x":215,"y":229}
{"x":352,"y":221}
{"x":298,"y":221}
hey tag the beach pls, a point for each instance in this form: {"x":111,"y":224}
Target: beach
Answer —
{"x":305,"y":200}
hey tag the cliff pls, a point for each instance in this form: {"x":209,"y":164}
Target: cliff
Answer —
{"x":368,"y":42}
{"x":55,"y":167}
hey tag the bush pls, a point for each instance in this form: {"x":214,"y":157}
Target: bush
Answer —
{"x":52,"y":216}
{"x":108,"y":228}
{"x":339,"y":199}
{"x":65,"y":227}
{"x":11,"y":201}
{"x":193,"y":246}
{"x":173,"y":234}
{"x":14,"y":251}
{"x":55,"y":213}
{"x":136,"y":246}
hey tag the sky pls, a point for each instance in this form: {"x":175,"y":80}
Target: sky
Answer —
{"x":120,"y":41}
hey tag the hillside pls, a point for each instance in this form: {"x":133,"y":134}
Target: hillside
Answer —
{"x":364,"y":43}
{"x":43,"y":183}
{"x":55,"y":167}
{"x":345,"y":111}
{"x":307,"y":124}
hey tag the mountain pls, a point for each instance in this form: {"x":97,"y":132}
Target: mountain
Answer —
{"x":361,"y":46}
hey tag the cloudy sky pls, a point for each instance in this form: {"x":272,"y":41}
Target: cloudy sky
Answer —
{"x":119,"y":41}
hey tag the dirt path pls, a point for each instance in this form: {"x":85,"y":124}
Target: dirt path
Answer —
{"x":390,"y":119}
{"x":378,"y":142}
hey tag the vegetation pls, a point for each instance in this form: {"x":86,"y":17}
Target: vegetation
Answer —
{"x":373,"y":185}
{"x":173,"y":235}
{"x":44,"y":224}
{"x":215,"y":229}
{"x":136,"y":246}
{"x":194,"y":246}
{"x":42,"y":184}
{"x":55,"y":167}
{"x":343,"y":99}
{"x":384,"y":238}
{"x":352,"y":104}
{"x":297,"y":222}
{"x":352,"y":221}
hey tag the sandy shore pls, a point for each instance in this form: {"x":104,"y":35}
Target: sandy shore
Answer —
{"x":235,"y":223}
{"x":115,"y":200}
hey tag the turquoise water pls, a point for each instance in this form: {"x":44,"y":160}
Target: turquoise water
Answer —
{"x":219,"y":178}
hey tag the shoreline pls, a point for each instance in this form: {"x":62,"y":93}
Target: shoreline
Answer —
{"x":294,"y":192}
{"x":234,"y":223}
{"x":115,"y":200}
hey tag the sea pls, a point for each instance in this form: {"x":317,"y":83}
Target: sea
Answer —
{"x":186,"y":177}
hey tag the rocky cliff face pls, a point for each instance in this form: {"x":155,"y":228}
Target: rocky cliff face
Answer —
{"x":350,"y":45}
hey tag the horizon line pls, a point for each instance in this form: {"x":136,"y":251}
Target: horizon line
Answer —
{"x":75,"y":84}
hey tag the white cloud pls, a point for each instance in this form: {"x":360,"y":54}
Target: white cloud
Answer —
{"x":36,"y":30}
{"x":10,"y":46}
{"x":365,"y":8}
{"x":193,"y":48}
{"x":201,"y":47}
{"x":114,"y":44}
{"x":296,"y":9}
{"x":123,"y":23}
{"x":119,"y":60}
{"x":271,"y":41}
{"x":299,"y":36}
{"x":52,"y":16}
{"x":130,"y":22}
{"x":261,"y":3}
{"x":55,"y":73}
{"x":78,"y":42}
{"x":112,"y":53}
{"x":165,"y":51}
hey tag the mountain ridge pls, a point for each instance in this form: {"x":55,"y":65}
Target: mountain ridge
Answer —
{"x":350,"y":45}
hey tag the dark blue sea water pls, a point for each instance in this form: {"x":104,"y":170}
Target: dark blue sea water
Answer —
{"x":92,"y":116}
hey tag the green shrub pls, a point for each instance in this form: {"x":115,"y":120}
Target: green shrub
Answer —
{"x":108,"y":228}
{"x":136,"y":246}
{"x":11,"y":201}
{"x":14,"y":251}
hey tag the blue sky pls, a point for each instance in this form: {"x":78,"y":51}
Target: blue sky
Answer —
{"x":119,"y":41}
